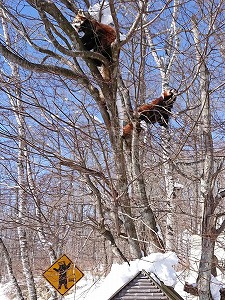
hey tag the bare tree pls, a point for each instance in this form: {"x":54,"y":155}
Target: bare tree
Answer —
{"x":12,"y":277}
{"x":165,"y":65}
{"x":83,"y":184}
{"x":209,"y":231}
{"x":21,"y":167}
{"x":106,"y":102}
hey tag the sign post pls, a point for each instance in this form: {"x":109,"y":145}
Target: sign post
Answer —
{"x":63,"y":274}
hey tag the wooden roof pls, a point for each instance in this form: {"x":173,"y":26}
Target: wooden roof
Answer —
{"x":143,"y":287}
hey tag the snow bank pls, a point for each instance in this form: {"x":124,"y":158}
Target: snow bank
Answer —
{"x":3,"y":289}
{"x":215,"y":286}
{"x":161,"y":264}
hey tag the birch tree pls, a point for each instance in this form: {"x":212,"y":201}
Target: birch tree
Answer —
{"x":209,"y":217}
{"x":12,"y":277}
{"x":21,"y":167}
{"x":165,"y":65}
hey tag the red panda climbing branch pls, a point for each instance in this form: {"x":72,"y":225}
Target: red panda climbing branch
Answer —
{"x":128,"y":128}
{"x":157,"y":111}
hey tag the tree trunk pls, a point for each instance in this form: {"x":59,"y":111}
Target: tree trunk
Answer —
{"x":124,"y":201}
{"x":147,"y":214}
{"x":21,"y":167}
{"x":22,"y":195}
{"x":12,"y":277}
{"x":208,"y":218}
{"x":165,"y":67}
{"x":41,"y":233}
{"x":170,"y":191}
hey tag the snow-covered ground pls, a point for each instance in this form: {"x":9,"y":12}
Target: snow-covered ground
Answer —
{"x":159,"y":265}
{"x":156,"y":263}
{"x":3,"y":290}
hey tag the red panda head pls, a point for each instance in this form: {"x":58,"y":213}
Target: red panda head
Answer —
{"x":169,"y":95}
{"x":79,"y":20}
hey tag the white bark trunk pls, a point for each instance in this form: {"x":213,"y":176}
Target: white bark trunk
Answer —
{"x":21,"y":166}
{"x":208,"y":218}
{"x":41,"y":234}
{"x":22,"y":196}
{"x":24,"y":252}
{"x":12,"y":277}
{"x":170,"y":191}
{"x":165,"y":66}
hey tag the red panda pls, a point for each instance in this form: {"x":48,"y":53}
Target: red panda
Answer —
{"x":97,"y":36}
{"x":128,"y":128}
{"x":158,"y":111}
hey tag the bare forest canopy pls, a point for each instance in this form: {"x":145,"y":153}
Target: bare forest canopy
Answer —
{"x":95,"y":163}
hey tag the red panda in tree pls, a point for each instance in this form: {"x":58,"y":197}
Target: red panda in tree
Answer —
{"x":97,"y":36}
{"x":128,"y":128}
{"x":157,"y":111}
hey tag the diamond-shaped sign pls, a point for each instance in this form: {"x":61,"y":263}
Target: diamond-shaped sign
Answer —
{"x":63,"y":274}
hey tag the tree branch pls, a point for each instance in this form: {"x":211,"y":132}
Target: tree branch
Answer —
{"x":19,"y":60}
{"x":52,"y":9}
{"x":221,"y":228}
{"x":70,"y":5}
{"x":136,"y":22}
{"x":70,"y":163}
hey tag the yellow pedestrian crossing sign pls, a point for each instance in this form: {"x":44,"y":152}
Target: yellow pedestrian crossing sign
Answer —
{"x":63,"y":274}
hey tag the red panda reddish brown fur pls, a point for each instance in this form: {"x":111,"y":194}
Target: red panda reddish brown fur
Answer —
{"x":158,"y":110}
{"x":127,"y":130}
{"x":97,"y":36}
